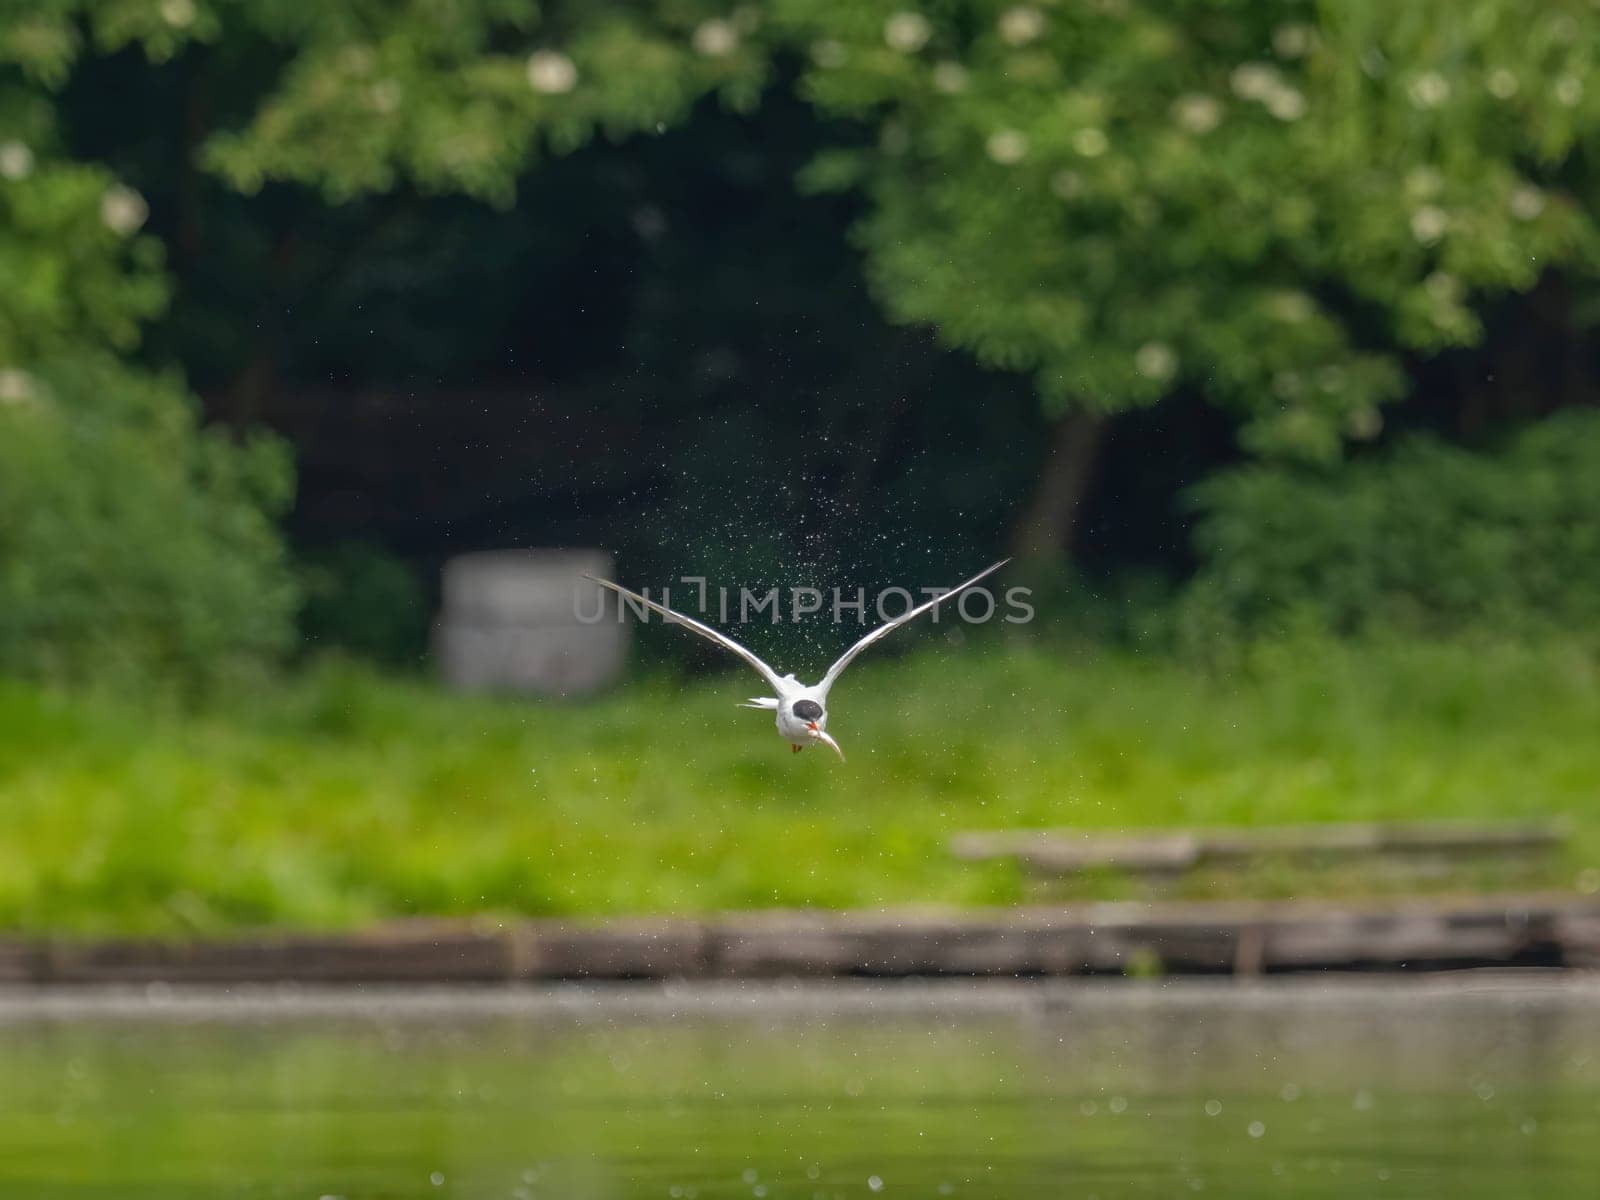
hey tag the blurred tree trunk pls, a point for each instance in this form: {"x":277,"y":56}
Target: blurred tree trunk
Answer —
{"x":1048,"y":523}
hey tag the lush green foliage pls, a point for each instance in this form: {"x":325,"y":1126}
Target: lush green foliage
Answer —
{"x":1127,"y":196}
{"x":134,"y":547}
{"x":1428,"y":535}
{"x":1264,"y":202}
{"x":363,"y":601}
{"x":344,"y":797}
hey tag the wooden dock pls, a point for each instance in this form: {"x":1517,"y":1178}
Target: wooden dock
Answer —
{"x":1430,"y":848}
{"x":1088,"y":939}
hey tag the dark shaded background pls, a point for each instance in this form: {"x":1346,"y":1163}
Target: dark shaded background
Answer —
{"x":600,"y":364}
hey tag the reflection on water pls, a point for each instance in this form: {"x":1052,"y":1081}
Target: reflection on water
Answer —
{"x":985,"y":1090}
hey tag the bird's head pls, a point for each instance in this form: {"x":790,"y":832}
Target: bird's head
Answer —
{"x":815,"y":717}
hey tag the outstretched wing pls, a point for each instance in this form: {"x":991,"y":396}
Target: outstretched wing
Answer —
{"x":705,"y":631}
{"x":890,"y":626}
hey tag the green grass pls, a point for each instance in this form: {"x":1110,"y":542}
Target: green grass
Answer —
{"x":342,"y":796}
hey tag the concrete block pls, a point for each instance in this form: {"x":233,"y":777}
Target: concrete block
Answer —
{"x":521,"y":621}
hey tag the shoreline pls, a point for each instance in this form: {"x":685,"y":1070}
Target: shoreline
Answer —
{"x":780,"y":1000}
{"x":1106,"y":940}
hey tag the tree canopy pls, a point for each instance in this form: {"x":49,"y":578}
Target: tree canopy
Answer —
{"x":1271,"y":208}
{"x":1266,"y":202}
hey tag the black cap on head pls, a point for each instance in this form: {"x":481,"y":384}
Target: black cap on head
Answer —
{"x":807,"y":710}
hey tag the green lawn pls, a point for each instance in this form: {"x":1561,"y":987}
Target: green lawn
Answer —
{"x":343,"y":796}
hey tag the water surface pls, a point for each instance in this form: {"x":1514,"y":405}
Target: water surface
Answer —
{"x":1440,"y":1089}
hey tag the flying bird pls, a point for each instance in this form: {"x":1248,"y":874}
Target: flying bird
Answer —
{"x":802,"y":711}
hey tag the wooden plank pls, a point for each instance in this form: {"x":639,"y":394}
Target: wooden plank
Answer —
{"x":624,"y":949}
{"x":400,"y":954}
{"x":1401,"y":939}
{"x":1578,"y":934}
{"x":898,"y":943}
{"x":20,"y":961}
{"x":1016,"y":942}
{"x":1067,"y":852}
{"x":1178,"y":937}
{"x":1082,"y":851}
{"x":1048,"y":940}
{"x":1443,"y":837}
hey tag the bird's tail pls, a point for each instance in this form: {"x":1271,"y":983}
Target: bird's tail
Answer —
{"x":767,"y":702}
